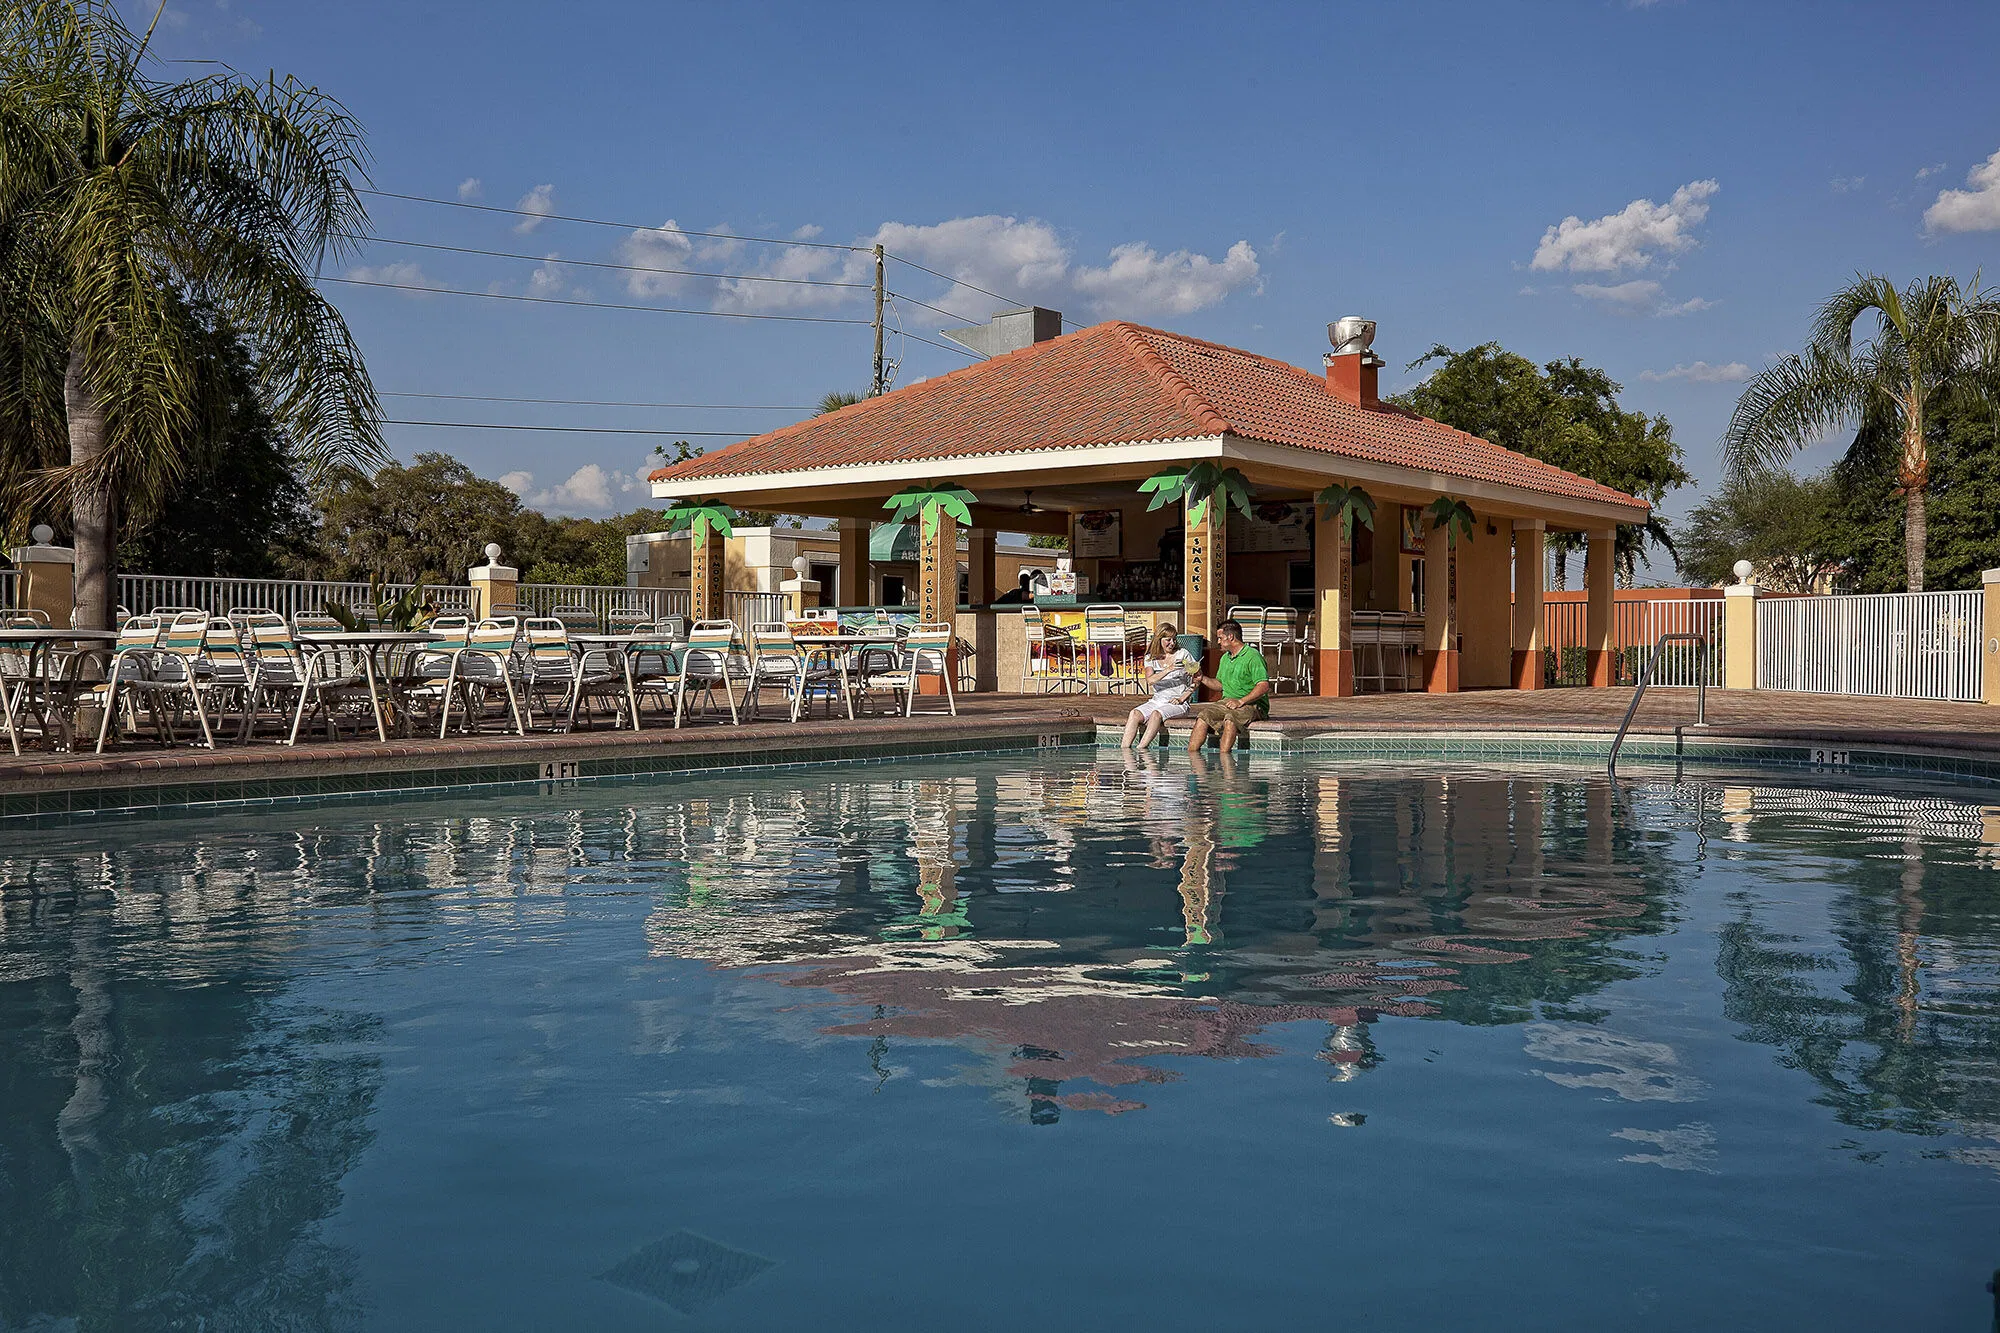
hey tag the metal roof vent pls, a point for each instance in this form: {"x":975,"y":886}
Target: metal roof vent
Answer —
{"x":1351,"y":334}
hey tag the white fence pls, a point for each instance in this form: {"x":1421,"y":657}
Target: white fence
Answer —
{"x":1904,"y":645}
{"x":745,"y":608}
{"x":141,"y":593}
{"x":1636,"y":628}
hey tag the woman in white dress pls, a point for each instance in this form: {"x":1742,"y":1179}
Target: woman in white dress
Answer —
{"x":1172,"y":675}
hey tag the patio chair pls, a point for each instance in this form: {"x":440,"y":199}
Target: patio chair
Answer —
{"x":925,"y":652}
{"x":548,"y":660}
{"x":16,"y":685}
{"x":1049,"y":657}
{"x":294,"y":681}
{"x":1279,"y":641}
{"x":227,"y":670}
{"x":710,"y":659}
{"x":653,"y":659}
{"x":160,"y":673}
{"x":481,"y":663}
{"x":624,"y":619}
{"x":779,"y":662}
{"x":576,"y":619}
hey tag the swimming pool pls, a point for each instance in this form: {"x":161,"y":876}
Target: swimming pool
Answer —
{"x":969,"y":1043}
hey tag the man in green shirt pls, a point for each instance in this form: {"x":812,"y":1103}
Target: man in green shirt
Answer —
{"x":1245,"y":685}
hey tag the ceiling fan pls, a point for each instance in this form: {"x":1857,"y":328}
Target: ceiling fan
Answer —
{"x":1028,"y":505}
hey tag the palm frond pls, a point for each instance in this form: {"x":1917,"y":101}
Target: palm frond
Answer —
{"x":1790,"y":405}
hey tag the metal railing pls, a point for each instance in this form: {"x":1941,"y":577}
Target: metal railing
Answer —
{"x":10,"y":586}
{"x":141,"y":593}
{"x":542,"y":598}
{"x":1899,"y":645}
{"x":1646,"y":678}
{"x":1637,"y":626}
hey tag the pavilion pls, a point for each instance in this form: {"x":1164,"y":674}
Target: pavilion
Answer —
{"x":1057,"y":436}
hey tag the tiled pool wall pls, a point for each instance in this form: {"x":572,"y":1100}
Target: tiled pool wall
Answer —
{"x":80,"y":804}
{"x":1594,"y":749}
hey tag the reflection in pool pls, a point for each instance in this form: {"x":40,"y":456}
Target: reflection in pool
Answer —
{"x":953,"y":1043}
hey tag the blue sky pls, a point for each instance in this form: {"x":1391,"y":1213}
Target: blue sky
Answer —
{"x":1243,"y":173}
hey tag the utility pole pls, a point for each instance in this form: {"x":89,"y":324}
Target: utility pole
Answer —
{"x":877,"y":391}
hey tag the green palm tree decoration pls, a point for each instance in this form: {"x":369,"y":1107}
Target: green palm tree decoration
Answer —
{"x":1932,"y":339}
{"x":700,"y":517}
{"x":1345,"y":504}
{"x":1454,"y":516}
{"x":1197,"y":484}
{"x":929,"y":501}
{"x":134,"y":213}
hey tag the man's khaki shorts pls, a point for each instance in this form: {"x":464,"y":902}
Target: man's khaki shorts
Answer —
{"x":1217,"y":714}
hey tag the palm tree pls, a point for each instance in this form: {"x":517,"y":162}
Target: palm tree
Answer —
{"x":1932,"y":339}
{"x":132,"y":212}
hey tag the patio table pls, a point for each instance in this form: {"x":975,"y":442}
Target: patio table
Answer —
{"x":627,"y":646}
{"x":39,"y":642}
{"x":370,"y":643}
{"x":840,"y":647}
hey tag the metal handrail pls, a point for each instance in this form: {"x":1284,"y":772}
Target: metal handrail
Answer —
{"x":1646,"y":678}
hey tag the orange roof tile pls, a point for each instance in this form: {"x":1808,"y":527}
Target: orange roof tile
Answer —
{"x":1119,"y":383}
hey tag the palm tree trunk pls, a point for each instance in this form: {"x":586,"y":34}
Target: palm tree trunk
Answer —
{"x":1915,"y":528}
{"x":92,"y":513}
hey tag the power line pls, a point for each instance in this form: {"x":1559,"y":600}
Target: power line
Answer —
{"x":600,"y":222}
{"x":593,"y":305}
{"x":593,"y":263}
{"x":968,"y":286}
{"x":905,"y":296}
{"x":598,"y":402}
{"x":562,"y":430}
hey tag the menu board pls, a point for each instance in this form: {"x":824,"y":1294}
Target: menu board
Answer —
{"x":1099,"y":535}
{"x":1276,"y":526}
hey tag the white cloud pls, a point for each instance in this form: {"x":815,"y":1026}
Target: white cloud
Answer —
{"x":656,"y":248}
{"x":547,"y":279}
{"x":808,"y":232}
{"x":538,"y":203}
{"x":1140,"y":281}
{"x":1925,"y":173}
{"x":470,"y":188}
{"x":1021,"y":257}
{"x":1634,"y":297}
{"x":521,"y":483}
{"x":1974,"y":209}
{"x":1847,"y":184}
{"x":1629,"y":238}
{"x":396,"y":275}
{"x":1700,"y":372}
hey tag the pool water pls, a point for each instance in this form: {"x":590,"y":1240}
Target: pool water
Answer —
{"x":1071,"y":1041}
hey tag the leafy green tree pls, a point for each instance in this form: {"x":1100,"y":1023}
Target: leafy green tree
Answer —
{"x":430,"y":520}
{"x":1564,"y":413}
{"x":1786,"y":525}
{"x":241,"y":509}
{"x":1934,"y":341}
{"x":127,"y":204}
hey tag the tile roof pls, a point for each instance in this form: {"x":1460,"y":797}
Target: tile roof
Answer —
{"x":1119,"y":383}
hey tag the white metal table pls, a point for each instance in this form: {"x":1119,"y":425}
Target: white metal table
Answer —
{"x":39,"y":642}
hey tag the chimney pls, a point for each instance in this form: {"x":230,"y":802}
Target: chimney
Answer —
{"x":1009,"y":331}
{"x":1350,"y":367}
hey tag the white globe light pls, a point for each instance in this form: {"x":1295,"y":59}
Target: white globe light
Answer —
{"x":799,"y":565}
{"x":1743,"y":571}
{"x":493,"y":553}
{"x":43,"y":534}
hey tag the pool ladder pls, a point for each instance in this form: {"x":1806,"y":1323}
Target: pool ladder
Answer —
{"x":1646,"y":678}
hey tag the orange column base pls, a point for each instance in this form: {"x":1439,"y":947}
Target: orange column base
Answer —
{"x":1336,"y":673}
{"x":935,"y":684}
{"x":1528,"y":669}
{"x":1441,"y":672}
{"x":1599,"y":667}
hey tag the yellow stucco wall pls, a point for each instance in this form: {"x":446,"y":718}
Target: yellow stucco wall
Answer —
{"x":1485,"y":612}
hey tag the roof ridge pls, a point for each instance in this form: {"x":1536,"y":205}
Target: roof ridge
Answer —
{"x":1185,"y":396}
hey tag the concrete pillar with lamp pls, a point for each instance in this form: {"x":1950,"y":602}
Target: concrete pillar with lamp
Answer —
{"x":47,"y":577}
{"x":1739,"y":630}
{"x":493,"y":584}
{"x":800,"y":592}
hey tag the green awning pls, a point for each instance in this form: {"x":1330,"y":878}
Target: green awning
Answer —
{"x":891,"y":542}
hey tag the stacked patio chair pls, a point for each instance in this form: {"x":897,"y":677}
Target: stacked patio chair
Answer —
{"x":625,"y":619}
{"x":161,"y":672}
{"x":228,"y":672}
{"x":710,"y":659}
{"x":926,"y":651}
{"x":575,"y":619}
{"x":294,"y":684}
{"x":1106,"y":658}
{"x":1048,"y":659}
{"x":1282,"y":648}
{"x":476,"y":667}
{"x":548,"y":663}
{"x":780,"y":663}
{"x":653,"y":659}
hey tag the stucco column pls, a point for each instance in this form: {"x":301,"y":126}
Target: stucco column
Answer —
{"x":493,"y":584}
{"x":708,"y":561}
{"x":1739,"y":633}
{"x":937,"y":586}
{"x":1333,"y":576}
{"x":1440,"y":622}
{"x":856,"y":586}
{"x":1989,"y":657}
{"x":980,"y":548}
{"x":1385,"y":573}
{"x":46,"y":577}
{"x":1205,"y":575}
{"x":1530,"y":544}
{"x":1599,"y":585}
